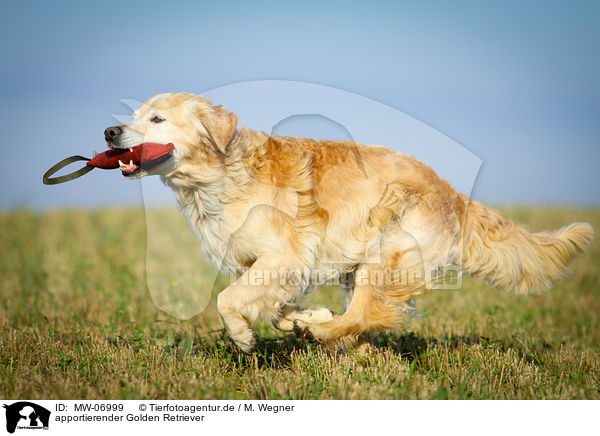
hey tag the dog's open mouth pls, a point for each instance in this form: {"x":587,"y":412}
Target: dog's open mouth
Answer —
{"x":131,"y":161}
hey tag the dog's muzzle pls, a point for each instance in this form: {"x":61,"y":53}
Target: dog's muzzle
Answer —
{"x":112,"y":134}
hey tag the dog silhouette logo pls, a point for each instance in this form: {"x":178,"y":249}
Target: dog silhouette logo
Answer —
{"x":26,"y":415}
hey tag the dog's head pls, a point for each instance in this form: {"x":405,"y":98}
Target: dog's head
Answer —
{"x":200,"y":132}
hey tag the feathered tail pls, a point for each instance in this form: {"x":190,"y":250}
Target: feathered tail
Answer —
{"x":511,"y":258}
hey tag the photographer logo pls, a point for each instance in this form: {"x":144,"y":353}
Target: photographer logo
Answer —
{"x":26,"y":415}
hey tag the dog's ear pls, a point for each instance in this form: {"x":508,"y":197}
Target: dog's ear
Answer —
{"x":226,"y":122}
{"x":221,"y":128}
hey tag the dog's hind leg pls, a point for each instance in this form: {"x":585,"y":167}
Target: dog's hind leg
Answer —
{"x":364,"y":314}
{"x":381,"y":294}
{"x":289,"y":313}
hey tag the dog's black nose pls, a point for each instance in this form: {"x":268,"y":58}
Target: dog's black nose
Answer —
{"x":112,"y":132}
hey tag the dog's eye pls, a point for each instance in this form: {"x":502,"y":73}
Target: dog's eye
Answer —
{"x":157,"y":119}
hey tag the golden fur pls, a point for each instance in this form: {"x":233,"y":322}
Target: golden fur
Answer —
{"x":270,"y":208}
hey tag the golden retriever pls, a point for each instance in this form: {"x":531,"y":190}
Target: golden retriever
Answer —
{"x":274,"y":210}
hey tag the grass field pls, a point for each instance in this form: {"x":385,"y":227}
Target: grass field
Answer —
{"x":77,"y":321}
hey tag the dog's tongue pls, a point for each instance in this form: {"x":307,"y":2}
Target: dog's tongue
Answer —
{"x":142,"y":155}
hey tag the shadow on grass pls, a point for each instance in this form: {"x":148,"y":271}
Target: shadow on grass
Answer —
{"x":272,"y":353}
{"x":410,"y":346}
{"x":275,"y":353}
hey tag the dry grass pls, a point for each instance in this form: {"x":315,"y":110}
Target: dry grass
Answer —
{"x":77,"y":321}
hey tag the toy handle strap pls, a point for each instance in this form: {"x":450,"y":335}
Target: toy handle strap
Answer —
{"x":63,"y":163}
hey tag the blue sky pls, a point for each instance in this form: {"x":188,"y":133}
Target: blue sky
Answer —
{"x":516,"y":83}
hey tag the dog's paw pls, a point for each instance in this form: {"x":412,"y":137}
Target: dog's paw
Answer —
{"x":302,"y":331}
{"x":322,"y":314}
{"x":245,"y":342}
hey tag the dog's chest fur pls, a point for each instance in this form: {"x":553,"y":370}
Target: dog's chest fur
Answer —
{"x":233,"y":235}
{"x":209,"y":230}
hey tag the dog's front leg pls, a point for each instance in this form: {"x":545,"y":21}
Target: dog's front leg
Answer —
{"x":265,"y":287}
